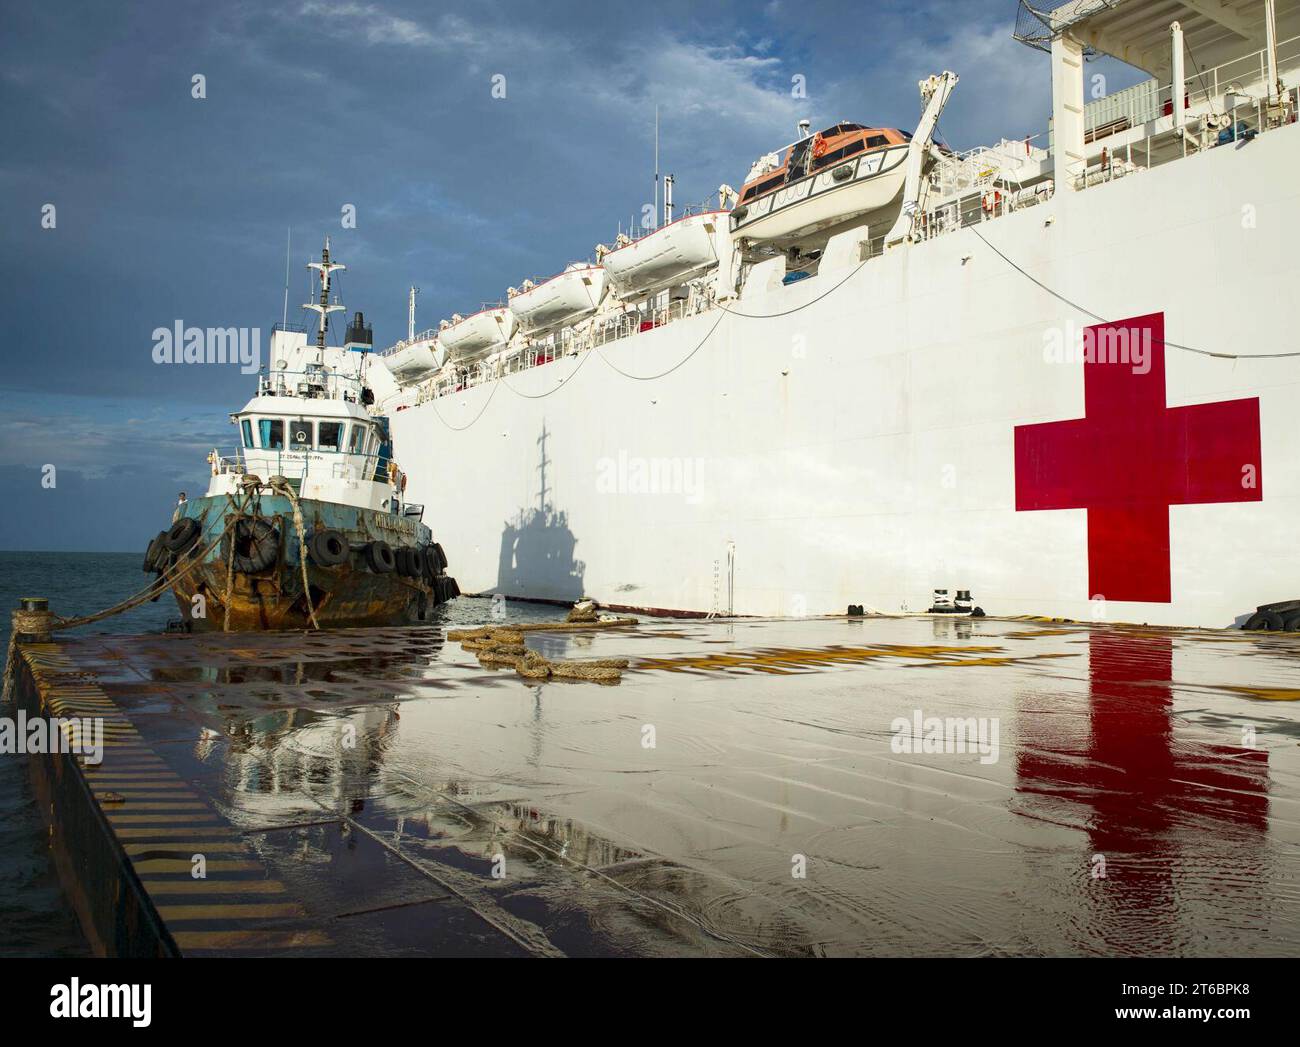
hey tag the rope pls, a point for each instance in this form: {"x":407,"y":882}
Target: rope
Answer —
{"x":664,"y":374}
{"x":1102,"y":320}
{"x":542,"y":396}
{"x":41,"y":623}
{"x":282,"y":486}
{"x":798,"y":308}
{"x":461,"y":428}
{"x":226,"y":597}
{"x":505,"y":647}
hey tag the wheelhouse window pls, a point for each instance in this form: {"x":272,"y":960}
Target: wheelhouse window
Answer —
{"x":270,"y":434}
{"x":246,"y":427}
{"x":358,"y":444}
{"x":331,"y":436}
{"x":302,"y":435}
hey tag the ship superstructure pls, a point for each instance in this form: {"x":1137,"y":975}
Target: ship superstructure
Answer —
{"x":1057,"y":371}
{"x":305,"y":523}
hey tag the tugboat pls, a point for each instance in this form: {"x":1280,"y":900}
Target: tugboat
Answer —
{"x":304,"y":525}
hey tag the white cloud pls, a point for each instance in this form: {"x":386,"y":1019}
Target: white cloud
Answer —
{"x":367,"y":22}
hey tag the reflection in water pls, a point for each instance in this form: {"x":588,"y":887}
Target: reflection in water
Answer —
{"x":1159,"y":811}
{"x":771,"y":747}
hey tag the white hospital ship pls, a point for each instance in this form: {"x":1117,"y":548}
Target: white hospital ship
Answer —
{"x":1062,"y":373}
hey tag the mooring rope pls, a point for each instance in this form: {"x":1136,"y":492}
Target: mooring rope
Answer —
{"x":41,"y":623}
{"x":282,"y":486}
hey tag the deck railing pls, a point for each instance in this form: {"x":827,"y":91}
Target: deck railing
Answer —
{"x":976,"y":186}
{"x":298,"y":465}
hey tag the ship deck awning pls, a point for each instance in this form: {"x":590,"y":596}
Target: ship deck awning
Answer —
{"x":1137,"y":31}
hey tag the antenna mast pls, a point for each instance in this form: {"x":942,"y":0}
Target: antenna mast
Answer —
{"x":288,"y":247}
{"x":655,"y":211}
{"x":410,"y":314}
{"x":325,"y":267}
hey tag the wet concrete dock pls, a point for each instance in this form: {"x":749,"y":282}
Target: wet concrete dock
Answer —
{"x":747,"y":788}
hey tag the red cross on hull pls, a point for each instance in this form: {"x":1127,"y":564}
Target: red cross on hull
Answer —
{"x":1131,"y":457}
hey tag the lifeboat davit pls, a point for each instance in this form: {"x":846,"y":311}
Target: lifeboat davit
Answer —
{"x":670,"y":255}
{"x":410,"y":363}
{"x":562,"y":300}
{"x":843,"y":172}
{"x":481,"y":333}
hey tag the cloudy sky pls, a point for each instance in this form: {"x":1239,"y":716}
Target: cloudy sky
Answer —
{"x":167,"y":207}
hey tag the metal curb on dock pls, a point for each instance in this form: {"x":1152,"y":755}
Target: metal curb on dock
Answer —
{"x":127,"y":835}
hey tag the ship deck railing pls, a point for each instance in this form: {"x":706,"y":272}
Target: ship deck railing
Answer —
{"x":1125,"y":134}
{"x":314,"y":384}
{"x":298,"y":464}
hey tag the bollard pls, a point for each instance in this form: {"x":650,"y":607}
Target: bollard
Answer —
{"x":32,"y":620}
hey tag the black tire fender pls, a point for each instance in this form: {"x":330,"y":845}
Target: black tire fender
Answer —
{"x":416,"y":557}
{"x":379,"y":557}
{"x":328,"y":548}
{"x":182,"y":534}
{"x":257,"y":545}
{"x":157,"y":547}
{"x":1264,"y":621}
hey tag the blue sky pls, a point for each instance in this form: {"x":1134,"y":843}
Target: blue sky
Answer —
{"x":173,"y":208}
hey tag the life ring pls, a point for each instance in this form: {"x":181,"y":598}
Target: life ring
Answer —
{"x":820,"y":146}
{"x":182,"y":534}
{"x":379,"y":557}
{"x":328,"y":548}
{"x":992,"y":201}
{"x":257,"y":545}
{"x":392,"y":472}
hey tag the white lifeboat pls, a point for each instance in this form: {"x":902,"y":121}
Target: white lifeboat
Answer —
{"x":844,"y":172}
{"x":562,"y":300}
{"x":671,"y":254}
{"x":410,"y":363}
{"x":478,"y":334}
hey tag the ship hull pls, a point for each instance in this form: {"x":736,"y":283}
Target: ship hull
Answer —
{"x":866,"y":436}
{"x":213,"y":597}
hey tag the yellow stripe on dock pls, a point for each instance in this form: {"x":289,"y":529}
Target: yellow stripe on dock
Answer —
{"x":172,"y":865}
{"x":213,"y":886}
{"x":235,"y":911}
{"x":250,"y":939}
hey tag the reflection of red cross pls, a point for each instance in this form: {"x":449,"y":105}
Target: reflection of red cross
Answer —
{"x":1130,"y":458}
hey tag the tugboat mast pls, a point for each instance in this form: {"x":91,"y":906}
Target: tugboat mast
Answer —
{"x":324,"y":307}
